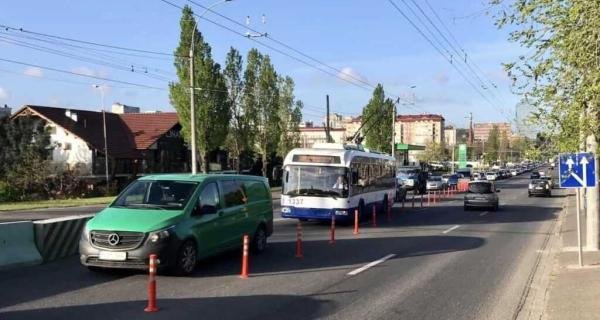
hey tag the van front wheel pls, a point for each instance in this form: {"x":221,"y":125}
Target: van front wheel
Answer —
{"x":259,"y":240}
{"x":186,"y":258}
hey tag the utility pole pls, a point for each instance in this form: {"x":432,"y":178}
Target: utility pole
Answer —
{"x":327,"y":125}
{"x":394,"y":129}
{"x":470,"y":142}
{"x":99,"y":87}
{"x":592,"y":197}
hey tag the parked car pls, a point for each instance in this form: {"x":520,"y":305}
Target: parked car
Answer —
{"x":514,"y":172}
{"x":534,"y":175}
{"x":539,"y":187}
{"x":491,"y":176}
{"x":435,"y":183}
{"x":481,"y":194}
{"x":180,"y":217}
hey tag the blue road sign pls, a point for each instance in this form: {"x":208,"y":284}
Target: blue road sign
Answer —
{"x":577,"y":170}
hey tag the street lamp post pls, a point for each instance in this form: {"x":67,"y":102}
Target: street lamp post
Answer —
{"x":99,"y":87}
{"x":192,"y":87}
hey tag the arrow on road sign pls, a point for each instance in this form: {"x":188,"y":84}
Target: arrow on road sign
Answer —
{"x":570,"y":163}
{"x":583,"y":184}
{"x":584,"y":162}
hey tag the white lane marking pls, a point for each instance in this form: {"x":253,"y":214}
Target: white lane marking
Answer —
{"x":483,"y":213}
{"x":369,"y":265}
{"x":453,"y":228}
{"x":280,"y":219}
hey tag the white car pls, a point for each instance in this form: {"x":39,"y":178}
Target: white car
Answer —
{"x":514,"y":172}
{"x":491,"y":176}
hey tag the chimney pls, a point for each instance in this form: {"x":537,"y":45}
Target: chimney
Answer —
{"x":74,"y":116}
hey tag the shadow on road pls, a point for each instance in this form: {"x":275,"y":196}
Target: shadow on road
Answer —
{"x":456,"y":215}
{"x":221,"y":308}
{"x":64,"y":275}
{"x":344,"y":254}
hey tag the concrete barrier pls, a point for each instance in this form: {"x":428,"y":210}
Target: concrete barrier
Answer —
{"x":17,"y":246}
{"x":59,"y":238}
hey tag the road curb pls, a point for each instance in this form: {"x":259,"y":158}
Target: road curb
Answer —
{"x":533,"y":301}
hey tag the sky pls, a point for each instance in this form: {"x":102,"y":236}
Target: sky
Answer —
{"x":356,"y":39}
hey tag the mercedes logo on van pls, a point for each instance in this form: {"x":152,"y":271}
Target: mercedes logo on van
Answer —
{"x":113,"y":239}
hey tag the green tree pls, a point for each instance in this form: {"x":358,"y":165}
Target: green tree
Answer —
{"x":434,"y":152}
{"x":241,"y":131}
{"x":210,"y":99}
{"x":377,"y":115}
{"x":267,"y":122}
{"x":290,"y":114}
{"x":560,"y":73}
{"x":25,"y":145}
{"x":492,"y":146}
{"x":503,"y":147}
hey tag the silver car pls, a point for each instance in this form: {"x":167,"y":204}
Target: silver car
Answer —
{"x":435,"y":183}
{"x":482,"y":194}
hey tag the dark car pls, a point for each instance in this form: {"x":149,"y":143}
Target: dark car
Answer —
{"x":453,"y":180}
{"x":481,"y":194}
{"x":535,"y":175}
{"x":413,"y":179}
{"x":539,"y":187}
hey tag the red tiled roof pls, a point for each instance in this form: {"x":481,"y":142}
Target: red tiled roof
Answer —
{"x":149,"y":127}
{"x":89,"y":127}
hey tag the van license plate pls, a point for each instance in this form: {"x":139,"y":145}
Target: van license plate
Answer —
{"x":113,"y":256}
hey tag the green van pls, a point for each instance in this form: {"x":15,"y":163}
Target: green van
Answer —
{"x":180,"y":217}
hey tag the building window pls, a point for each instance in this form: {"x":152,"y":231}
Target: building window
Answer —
{"x":67,"y":146}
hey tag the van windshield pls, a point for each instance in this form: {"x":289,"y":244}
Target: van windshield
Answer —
{"x":156,"y":194}
{"x":319,"y":181}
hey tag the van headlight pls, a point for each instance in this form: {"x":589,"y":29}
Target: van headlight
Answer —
{"x":531,"y":186}
{"x":160,"y":235}
{"x":286,"y":210}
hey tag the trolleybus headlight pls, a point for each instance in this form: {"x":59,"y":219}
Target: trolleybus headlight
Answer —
{"x":341,"y":213}
{"x":286,"y":210}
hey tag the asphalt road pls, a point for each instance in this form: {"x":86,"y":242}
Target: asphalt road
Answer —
{"x":442,"y":263}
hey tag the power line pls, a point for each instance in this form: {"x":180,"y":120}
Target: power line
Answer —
{"x":440,"y":51}
{"x":82,"y":58}
{"x":45,"y":78}
{"x":449,"y":32}
{"x":470,"y":69}
{"x":83,"y":75}
{"x":7,"y":28}
{"x":338,"y":74}
{"x":93,"y":51}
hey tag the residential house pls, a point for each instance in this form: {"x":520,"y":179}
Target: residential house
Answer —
{"x":136,"y":143}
